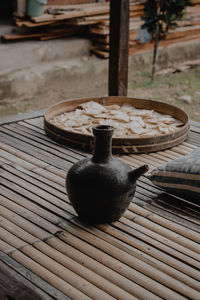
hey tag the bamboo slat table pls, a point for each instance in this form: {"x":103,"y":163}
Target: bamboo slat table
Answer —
{"x":152,"y":252}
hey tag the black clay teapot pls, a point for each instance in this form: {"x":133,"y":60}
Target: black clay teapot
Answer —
{"x":101,"y":188}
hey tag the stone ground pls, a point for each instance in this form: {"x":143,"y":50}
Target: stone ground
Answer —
{"x":36,"y":75}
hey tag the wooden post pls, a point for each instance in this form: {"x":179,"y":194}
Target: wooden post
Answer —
{"x":119,"y":47}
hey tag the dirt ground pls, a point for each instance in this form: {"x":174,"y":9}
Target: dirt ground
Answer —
{"x":179,"y":86}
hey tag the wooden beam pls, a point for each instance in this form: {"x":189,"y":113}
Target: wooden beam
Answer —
{"x":19,"y":283}
{"x":119,"y":47}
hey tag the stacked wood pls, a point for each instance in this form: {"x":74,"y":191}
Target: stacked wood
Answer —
{"x":56,"y":13}
{"x":59,"y":21}
{"x":75,"y":18}
{"x":188,"y":29}
{"x":20,"y":5}
{"x":43,"y":34}
{"x":55,"y":22}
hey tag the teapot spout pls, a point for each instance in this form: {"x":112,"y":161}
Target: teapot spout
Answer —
{"x":136,"y":173}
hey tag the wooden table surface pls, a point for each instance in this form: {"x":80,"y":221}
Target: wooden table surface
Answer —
{"x":152,"y":252}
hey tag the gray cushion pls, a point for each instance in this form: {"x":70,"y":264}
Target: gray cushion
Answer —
{"x":180,"y":176}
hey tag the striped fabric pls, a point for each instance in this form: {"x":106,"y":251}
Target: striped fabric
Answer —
{"x":180,"y":176}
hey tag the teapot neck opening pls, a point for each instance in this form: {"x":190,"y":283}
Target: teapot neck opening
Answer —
{"x":102,"y":143}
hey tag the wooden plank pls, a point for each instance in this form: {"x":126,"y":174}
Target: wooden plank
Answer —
{"x":24,"y":222}
{"x":51,"y":34}
{"x":104,"y":30}
{"x":148,"y":186}
{"x":143,"y":48}
{"x":65,"y":33}
{"x":187,"y":245}
{"x":38,"y":122}
{"x":133,"y":263}
{"x":27,"y":182}
{"x":48,"y":276}
{"x":36,"y":142}
{"x":30,"y":149}
{"x":164,"y":196}
{"x":91,"y":277}
{"x":11,"y":239}
{"x":16,"y":37}
{"x":137,"y":248}
{"x":130,"y":285}
{"x":29,"y":24}
{"x":194,"y":135}
{"x":175,"y":36}
{"x":105,"y":39}
{"x":5,"y":248}
{"x":55,"y":188}
{"x":76,"y":152}
{"x":138,"y":160}
{"x":194,"y":142}
{"x":119,"y":41}
{"x":14,"y":118}
{"x":195,"y":124}
{"x":37,"y":181}
{"x":99,"y":52}
{"x":29,"y":279}
{"x":161,"y":242}
{"x":41,"y":137}
{"x":18,"y":231}
{"x":156,"y":242}
{"x":151,"y":252}
{"x":19,"y":158}
{"x":72,"y":11}
{"x":30,"y":162}
{"x":161,"y":210}
{"x":11,"y":286}
{"x":105,"y":47}
{"x":82,"y":10}
{"x":35,"y":217}
{"x":110,"y":264}
{"x":64,"y":210}
{"x":58,"y":264}
{"x":147,"y":232}
{"x":148,"y":253}
{"x":190,"y":209}
{"x":49,"y":172}
{"x":99,"y":268}
{"x":80,"y":269}
{"x":85,"y":21}
{"x":173,"y":213}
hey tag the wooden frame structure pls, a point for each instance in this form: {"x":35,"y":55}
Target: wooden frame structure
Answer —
{"x":119,"y":47}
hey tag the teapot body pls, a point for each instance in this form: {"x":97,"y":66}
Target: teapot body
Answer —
{"x":100,"y":192}
{"x":100,"y":188}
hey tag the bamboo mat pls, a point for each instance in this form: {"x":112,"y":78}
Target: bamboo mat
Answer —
{"x":152,"y":252}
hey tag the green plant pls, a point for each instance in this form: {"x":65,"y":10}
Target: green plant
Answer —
{"x":160,"y":16}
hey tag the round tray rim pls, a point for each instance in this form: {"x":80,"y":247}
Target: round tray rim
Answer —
{"x":127,"y":141}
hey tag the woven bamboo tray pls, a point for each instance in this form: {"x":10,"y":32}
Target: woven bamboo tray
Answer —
{"x":119,"y":145}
